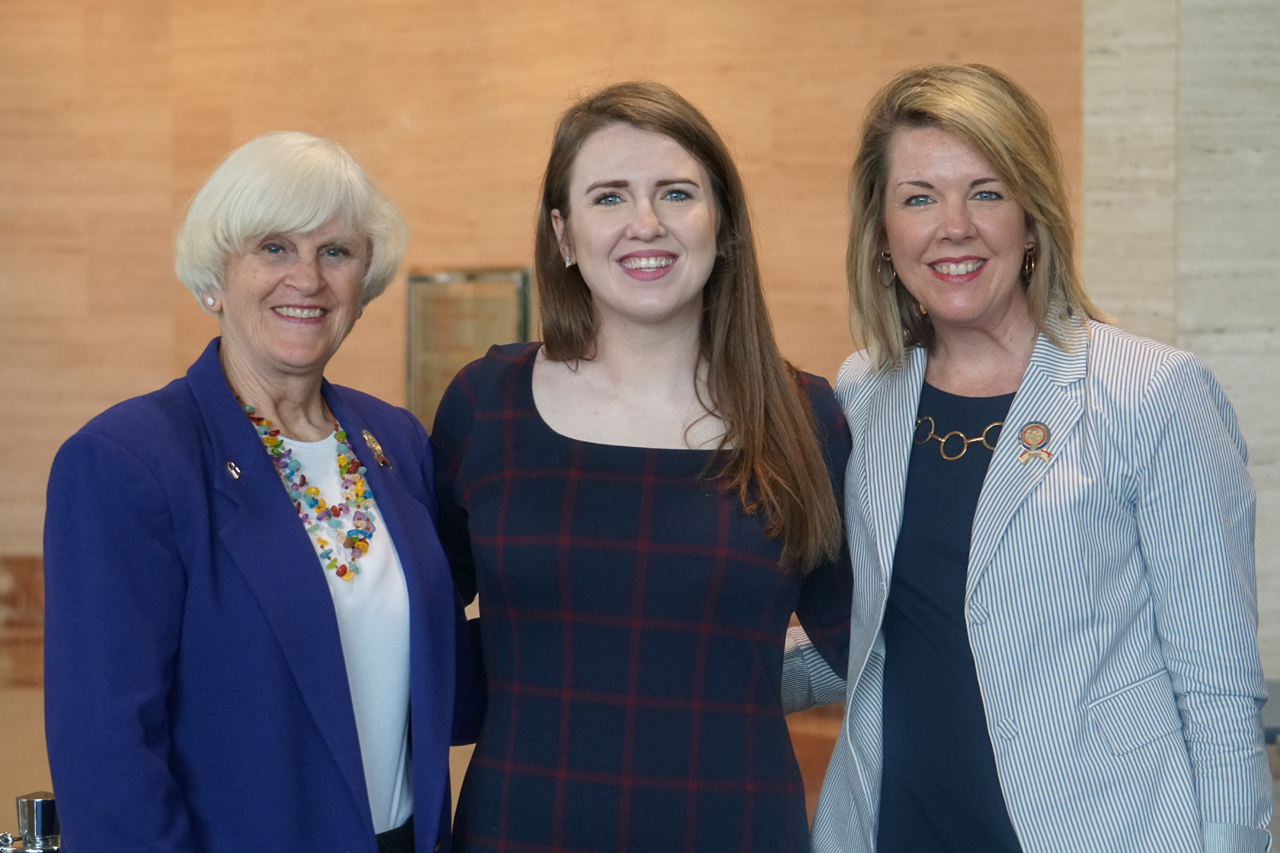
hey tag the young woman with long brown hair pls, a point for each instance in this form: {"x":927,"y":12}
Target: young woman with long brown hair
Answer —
{"x":642,"y":501}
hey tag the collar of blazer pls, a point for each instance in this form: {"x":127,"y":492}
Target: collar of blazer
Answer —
{"x":884,"y":405}
{"x":270,"y":548}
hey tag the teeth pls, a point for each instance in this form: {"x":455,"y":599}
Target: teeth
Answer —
{"x":300,"y":313}
{"x":958,"y":269}
{"x":648,"y":263}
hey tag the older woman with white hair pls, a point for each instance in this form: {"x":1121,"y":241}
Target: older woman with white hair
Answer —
{"x":252,"y":638}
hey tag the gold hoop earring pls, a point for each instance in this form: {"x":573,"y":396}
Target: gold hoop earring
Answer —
{"x":1028,"y":262}
{"x":885,"y":257}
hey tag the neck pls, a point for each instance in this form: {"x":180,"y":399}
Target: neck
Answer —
{"x":982,"y":363}
{"x":648,"y":360}
{"x":292,"y":403}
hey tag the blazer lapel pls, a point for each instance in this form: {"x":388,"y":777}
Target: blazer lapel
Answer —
{"x":270,"y":548}
{"x":1051,"y":394}
{"x":891,"y":418}
{"x":409,"y":521}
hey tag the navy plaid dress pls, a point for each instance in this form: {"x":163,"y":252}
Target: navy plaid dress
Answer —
{"x":633,"y":620}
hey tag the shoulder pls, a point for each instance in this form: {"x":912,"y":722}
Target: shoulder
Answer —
{"x":495,"y":369}
{"x":857,"y":370}
{"x":1137,"y":371}
{"x":149,"y":424}
{"x":147,"y":445}
{"x":1120,"y":357}
{"x":822,"y":401}
{"x":1146,"y":385}
{"x":487,"y":384}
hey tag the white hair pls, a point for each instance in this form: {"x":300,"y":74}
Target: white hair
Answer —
{"x":285,"y":182}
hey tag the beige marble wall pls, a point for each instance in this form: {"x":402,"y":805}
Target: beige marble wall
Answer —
{"x":1181,"y":144}
{"x":1128,"y":228}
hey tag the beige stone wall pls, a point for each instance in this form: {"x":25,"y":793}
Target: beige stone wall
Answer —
{"x":113,"y":111}
{"x":1182,"y":202}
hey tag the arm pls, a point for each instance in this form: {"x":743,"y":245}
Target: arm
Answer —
{"x":442,"y":459}
{"x":816,"y":656}
{"x":114,"y":596}
{"x":471,"y":690}
{"x":449,"y":434}
{"x":1195,"y":512}
{"x":807,"y":679}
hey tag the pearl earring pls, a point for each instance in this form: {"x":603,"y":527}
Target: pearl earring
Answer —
{"x":567,"y":263}
{"x":208,"y":300}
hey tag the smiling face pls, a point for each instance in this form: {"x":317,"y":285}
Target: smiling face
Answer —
{"x":640,"y":225}
{"x":956,"y":235}
{"x":289,"y":301}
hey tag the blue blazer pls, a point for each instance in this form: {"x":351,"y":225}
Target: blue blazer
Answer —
{"x":1110,"y":602}
{"x":196,"y":695}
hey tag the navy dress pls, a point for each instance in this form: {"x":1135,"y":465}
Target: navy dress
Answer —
{"x":633,"y":620}
{"x":939,"y":790}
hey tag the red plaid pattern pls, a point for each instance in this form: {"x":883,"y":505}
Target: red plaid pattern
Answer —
{"x":633,"y":620}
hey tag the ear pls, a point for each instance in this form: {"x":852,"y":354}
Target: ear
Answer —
{"x":561,"y":227}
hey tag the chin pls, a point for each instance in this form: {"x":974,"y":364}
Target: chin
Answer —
{"x":302,"y":359}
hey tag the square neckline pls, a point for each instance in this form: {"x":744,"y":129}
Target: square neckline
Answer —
{"x":525,"y":387}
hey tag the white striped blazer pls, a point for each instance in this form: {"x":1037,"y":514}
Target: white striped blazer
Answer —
{"x":1110,"y":601}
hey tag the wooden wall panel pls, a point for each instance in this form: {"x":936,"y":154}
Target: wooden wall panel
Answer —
{"x":113,"y":111}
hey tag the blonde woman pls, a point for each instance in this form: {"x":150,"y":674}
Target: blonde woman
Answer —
{"x":1054,"y":637}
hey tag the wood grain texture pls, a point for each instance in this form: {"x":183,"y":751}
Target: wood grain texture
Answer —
{"x":113,"y":112}
{"x":21,"y":622}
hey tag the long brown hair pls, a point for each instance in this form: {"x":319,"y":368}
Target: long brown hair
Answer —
{"x":770,"y":453}
{"x":998,"y":119}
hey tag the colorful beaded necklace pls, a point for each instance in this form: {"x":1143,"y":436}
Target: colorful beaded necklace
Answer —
{"x":357,"y":500}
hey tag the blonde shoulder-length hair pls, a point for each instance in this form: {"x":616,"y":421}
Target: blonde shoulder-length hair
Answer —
{"x":1002,"y":123}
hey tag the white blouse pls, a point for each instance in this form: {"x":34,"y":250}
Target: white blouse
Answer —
{"x":373,"y":622}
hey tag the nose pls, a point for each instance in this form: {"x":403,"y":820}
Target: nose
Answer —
{"x":306,"y":275}
{"x":645,"y":225}
{"x":957,"y":223}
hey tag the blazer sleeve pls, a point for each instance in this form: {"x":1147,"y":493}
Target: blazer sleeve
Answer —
{"x":1195,"y":513}
{"x":114,"y":597}
{"x":807,"y":678}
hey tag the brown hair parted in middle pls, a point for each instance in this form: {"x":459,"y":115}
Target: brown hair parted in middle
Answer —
{"x":1001,"y":122}
{"x":770,"y":453}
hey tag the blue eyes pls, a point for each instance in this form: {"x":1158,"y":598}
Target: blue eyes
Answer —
{"x":610,"y":199}
{"x":980,"y":195}
{"x":277,"y":249}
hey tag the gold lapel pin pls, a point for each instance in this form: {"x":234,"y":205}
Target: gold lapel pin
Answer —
{"x":1034,"y":437}
{"x":233,"y":470}
{"x":376,"y":448}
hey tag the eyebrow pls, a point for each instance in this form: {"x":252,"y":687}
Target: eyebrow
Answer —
{"x":928,"y":186}
{"x":620,"y":184}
